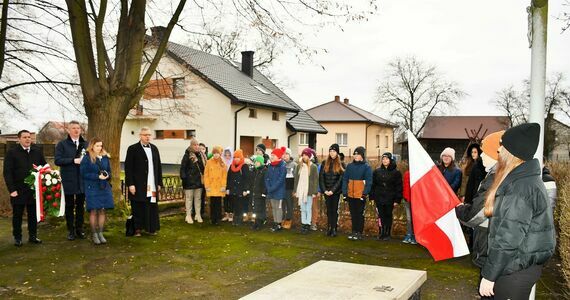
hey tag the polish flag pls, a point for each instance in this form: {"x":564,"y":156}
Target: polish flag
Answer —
{"x":436,"y":226}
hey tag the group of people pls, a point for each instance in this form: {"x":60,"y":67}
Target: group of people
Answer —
{"x":505,"y":203}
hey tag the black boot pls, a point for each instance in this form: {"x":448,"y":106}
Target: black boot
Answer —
{"x":329,"y":231}
{"x":333,"y":231}
{"x":380,"y":233}
{"x":79,"y":233}
{"x":71,"y":235}
{"x":386,"y":233}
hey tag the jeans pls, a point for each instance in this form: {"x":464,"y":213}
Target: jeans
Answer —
{"x":306,"y":211}
{"x":409,"y":223}
{"x":277,"y":210}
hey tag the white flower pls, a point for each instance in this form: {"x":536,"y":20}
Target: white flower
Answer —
{"x":54,"y":181}
{"x":48,"y":182}
{"x":48,"y":176}
{"x":43,"y":176}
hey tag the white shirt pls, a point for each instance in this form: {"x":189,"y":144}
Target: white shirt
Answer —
{"x":151,"y":185}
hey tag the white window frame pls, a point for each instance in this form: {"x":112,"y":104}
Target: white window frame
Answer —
{"x":343,"y":141}
{"x":181,"y":80}
{"x":303,"y":139}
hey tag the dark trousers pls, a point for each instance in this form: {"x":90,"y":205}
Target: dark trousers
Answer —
{"x":385,"y":211}
{"x":517,"y":286}
{"x":17,"y":215}
{"x":332,"y":209}
{"x":74,"y":210}
{"x":215,"y":209}
{"x":356,"y":207}
{"x":259,"y":208}
{"x":288,"y":205}
{"x":239,"y":203}
{"x":145,"y":216}
{"x":228,"y":205}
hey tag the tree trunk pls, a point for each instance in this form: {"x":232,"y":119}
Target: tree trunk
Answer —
{"x":106,"y":122}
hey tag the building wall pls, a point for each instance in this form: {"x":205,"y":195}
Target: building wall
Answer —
{"x":356,"y":137}
{"x":385,"y":142}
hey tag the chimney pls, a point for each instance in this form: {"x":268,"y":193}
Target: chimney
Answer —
{"x":157,"y":33}
{"x":346,"y":101}
{"x":337,"y":98}
{"x":247,"y":62}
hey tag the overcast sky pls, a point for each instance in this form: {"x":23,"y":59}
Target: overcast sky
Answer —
{"x":481,"y":45}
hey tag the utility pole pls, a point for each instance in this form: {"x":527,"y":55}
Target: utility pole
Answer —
{"x":538,"y":21}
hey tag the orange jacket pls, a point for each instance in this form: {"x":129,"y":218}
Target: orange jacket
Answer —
{"x":215,"y":177}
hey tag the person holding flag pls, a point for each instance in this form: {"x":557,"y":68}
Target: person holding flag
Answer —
{"x":521,"y":229}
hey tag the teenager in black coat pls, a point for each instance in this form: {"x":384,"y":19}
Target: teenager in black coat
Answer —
{"x":18,"y":163}
{"x":386,"y":192}
{"x":143,"y":194}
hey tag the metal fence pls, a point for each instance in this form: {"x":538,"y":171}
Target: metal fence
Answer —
{"x":171,"y":189}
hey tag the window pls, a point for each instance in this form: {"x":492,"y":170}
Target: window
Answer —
{"x":190,"y":133}
{"x":159,"y":134}
{"x":386,"y":140}
{"x":275,"y":116}
{"x":178,"y":88}
{"x":262,"y":89}
{"x":377,"y":141}
{"x":342,"y":139}
{"x":303,"y":139}
{"x":253,"y":113}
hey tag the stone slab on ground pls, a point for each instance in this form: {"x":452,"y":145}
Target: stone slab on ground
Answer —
{"x":338,"y":280}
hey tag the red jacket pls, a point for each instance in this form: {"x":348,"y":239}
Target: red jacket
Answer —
{"x":407,"y":193}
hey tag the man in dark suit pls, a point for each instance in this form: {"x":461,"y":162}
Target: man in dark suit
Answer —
{"x":18,"y":162}
{"x":143,"y":176}
{"x":68,"y":154}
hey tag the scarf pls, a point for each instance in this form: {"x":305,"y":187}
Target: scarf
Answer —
{"x":237,"y":168}
{"x":275,"y":163}
{"x":303,"y":185}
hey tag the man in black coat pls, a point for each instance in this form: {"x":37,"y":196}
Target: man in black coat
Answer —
{"x":18,"y":162}
{"x":68,"y":154}
{"x":143,"y":176}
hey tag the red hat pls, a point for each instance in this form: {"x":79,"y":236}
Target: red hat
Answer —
{"x":279,"y":152}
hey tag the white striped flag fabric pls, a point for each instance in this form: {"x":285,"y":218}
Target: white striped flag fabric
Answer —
{"x":436,"y":226}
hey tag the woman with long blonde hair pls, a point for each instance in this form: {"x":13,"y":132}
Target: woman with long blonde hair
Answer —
{"x":95,"y":169}
{"x":521,"y":229}
{"x":330,"y":182}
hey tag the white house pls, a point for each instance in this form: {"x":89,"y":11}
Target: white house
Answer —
{"x":220,"y":102}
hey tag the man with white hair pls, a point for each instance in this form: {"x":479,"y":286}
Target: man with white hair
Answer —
{"x":143,"y":177}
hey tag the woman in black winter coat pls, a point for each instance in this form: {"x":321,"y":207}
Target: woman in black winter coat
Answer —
{"x":521,"y":228}
{"x":330,"y":182}
{"x":474,"y":171}
{"x":238,"y":187}
{"x":386,"y":192}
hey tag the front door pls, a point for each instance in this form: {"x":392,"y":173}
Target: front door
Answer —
{"x":246,"y":145}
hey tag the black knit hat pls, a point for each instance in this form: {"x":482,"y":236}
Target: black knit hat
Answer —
{"x":388,"y":155}
{"x":335,"y":147}
{"x":261,"y":147}
{"x":522,"y":140}
{"x":361,"y":151}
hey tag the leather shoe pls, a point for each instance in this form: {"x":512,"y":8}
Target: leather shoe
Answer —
{"x":35,"y":240}
{"x":18,"y":243}
{"x":71,"y":236}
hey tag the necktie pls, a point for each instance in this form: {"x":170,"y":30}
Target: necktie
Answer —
{"x":28,"y":150}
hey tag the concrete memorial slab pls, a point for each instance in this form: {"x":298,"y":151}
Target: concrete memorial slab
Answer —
{"x":339,"y":280}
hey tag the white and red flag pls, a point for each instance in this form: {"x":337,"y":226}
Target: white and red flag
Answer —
{"x":436,"y":226}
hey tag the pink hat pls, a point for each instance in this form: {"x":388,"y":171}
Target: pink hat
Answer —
{"x":448,"y":151}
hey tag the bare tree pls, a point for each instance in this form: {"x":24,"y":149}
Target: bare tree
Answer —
{"x":415,"y":91}
{"x":565,"y":16}
{"x":510,"y":102}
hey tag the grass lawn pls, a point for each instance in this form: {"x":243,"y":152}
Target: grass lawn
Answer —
{"x":207,"y":262}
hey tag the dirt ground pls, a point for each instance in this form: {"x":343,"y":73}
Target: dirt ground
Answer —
{"x":209,"y":262}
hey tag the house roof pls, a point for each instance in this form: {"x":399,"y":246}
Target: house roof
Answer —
{"x":338,"y":111}
{"x":453,"y":127}
{"x":227,"y":77}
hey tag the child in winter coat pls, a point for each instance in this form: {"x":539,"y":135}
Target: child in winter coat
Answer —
{"x":356,"y":184}
{"x":451,"y":172}
{"x":290,"y":164}
{"x":238,"y":186}
{"x":306,"y":187}
{"x":258,"y":191}
{"x":275,"y":184}
{"x":386,"y":192}
{"x":330,"y":182}
{"x":215,"y":179}
{"x":228,"y":158}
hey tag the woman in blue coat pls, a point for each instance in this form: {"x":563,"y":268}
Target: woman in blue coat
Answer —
{"x":95,"y":170}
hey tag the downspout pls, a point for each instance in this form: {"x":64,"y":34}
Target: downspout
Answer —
{"x":366,"y":135}
{"x":294,"y":133}
{"x":236,"y":124}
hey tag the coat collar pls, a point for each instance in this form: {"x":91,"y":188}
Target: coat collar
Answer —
{"x":81,"y":139}
{"x":527,"y":169}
